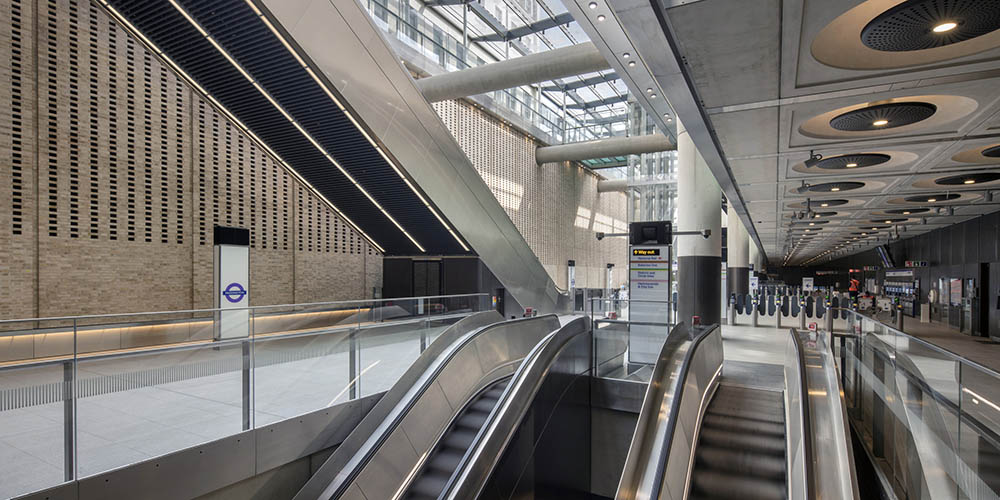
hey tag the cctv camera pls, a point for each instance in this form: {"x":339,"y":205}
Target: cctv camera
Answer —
{"x":600,"y":236}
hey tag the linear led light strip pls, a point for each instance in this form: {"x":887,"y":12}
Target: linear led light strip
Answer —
{"x":347,"y":113}
{"x":288,"y":117}
{"x":191,"y":81}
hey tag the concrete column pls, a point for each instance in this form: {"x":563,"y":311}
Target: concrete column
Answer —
{"x":754,"y":257}
{"x":699,"y":260}
{"x":737,"y":256}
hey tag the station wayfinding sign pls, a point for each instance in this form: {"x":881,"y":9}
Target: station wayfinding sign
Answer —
{"x":231,"y":282}
{"x":649,"y":294}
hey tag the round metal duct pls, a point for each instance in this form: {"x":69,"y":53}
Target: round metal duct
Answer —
{"x":993,"y":152}
{"x":968,"y":179}
{"x":907,"y":211}
{"x":833,"y":187}
{"x":932,"y":198}
{"x":883,"y":116}
{"x":859,"y":160}
{"x":926,"y":24}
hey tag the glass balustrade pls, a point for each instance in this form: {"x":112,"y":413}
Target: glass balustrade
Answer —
{"x":87,"y":394}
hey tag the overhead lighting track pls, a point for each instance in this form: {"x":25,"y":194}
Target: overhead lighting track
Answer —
{"x":323,"y":85}
{"x":326,"y":154}
{"x":132,"y":29}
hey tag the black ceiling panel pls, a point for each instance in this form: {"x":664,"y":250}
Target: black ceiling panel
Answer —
{"x":234,"y":26}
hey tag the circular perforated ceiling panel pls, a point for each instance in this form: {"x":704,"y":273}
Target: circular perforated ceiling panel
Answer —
{"x":833,"y":187}
{"x":932,"y":198}
{"x":926,"y":24}
{"x":968,"y":179}
{"x":829,"y":203}
{"x":907,"y":211}
{"x":883,"y":116}
{"x":860,"y":160}
{"x":993,"y":152}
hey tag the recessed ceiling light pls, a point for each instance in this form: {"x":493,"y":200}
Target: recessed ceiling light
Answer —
{"x":835,"y":189}
{"x":931,"y":200}
{"x":906,"y":212}
{"x":880,"y":123}
{"x":812,"y":223}
{"x":824,"y":204}
{"x":864,"y":234}
{"x":816,"y":216}
{"x":652,"y":96}
{"x":969,"y":181}
{"x":649,"y":90}
{"x":888,"y":222}
{"x":626,"y":55}
{"x":807,"y":230}
{"x":631,"y":64}
{"x":601,"y":18}
{"x":851,"y":165}
{"x":593,"y":5}
{"x":945,"y":27}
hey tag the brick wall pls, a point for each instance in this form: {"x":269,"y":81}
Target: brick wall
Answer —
{"x":556,"y":206}
{"x":113,"y":173}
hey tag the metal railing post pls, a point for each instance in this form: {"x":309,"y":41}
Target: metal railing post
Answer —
{"x":245,"y":375}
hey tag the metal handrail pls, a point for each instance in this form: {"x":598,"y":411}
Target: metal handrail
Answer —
{"x":250,"y":308}
{"x":353,"y":467}
{"x":473,"y":471}
{"x":955,"y":357}
{"x":808,"y":447}
{"x":650,"y":414}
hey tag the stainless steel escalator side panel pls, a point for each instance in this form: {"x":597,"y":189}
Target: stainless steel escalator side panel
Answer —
{"x":825,"y":417}
{"x":392,"y":398}
{"x":567,"y":351}
{"x":354,"y":56}
{"x":686,"y":375}
{"x":391,"y":447}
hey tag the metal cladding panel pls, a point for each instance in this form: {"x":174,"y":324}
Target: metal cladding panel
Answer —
{"x":234,"y":26}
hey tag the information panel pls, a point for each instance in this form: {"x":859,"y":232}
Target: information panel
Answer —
{"x":649,"y":280}
{"x":232,"y":282}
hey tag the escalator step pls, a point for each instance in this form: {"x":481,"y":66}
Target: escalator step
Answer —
{"x":749,"y":412}
{"x":721,"y":486}
{"x":472,"y":420}
{"x":483,"y":405}
{"x":459,"y":438}
{"x":446,"y":460}
{"x":714,"y":420}
{"x":770,"y":445}
{"x":429,"y":485}
{"x":740,"y":462}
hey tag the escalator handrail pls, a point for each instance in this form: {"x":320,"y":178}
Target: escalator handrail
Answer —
{"x":649,"y":416}
{"x":808,"y":447}
{"x":475,"y":467}
{"x":829,"y":473}
{"x":413,"y":385}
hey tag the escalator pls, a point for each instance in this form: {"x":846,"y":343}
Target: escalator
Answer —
{"x":443,"y":428}
{"x":741,"y":446}
{"x":705,"y":435}
{"x":444,"y":460}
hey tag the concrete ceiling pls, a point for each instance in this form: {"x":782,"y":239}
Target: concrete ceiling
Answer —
{"x":772,"y":76}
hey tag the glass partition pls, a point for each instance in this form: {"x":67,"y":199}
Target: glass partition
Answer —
{"x":628,"y":336}
{"x":929,"y":419}
{"x":87,"y":394}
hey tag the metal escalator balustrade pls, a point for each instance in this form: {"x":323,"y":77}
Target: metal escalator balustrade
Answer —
{"x":683,"y":381}
{"x":558,"y":360}
{"x":382,"y":457}
{"x":928,"y":420}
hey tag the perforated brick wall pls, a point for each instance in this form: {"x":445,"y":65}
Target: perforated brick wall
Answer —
{"x":556,"y":206}
{"x":113,"y":173}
